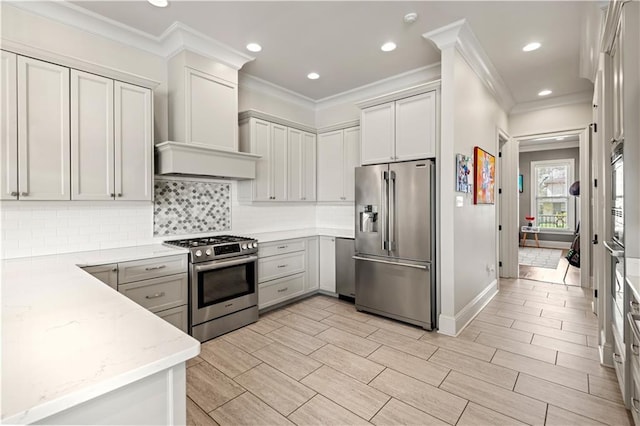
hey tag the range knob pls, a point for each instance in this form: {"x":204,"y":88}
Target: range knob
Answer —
{"x":255,"y":245}
{"x":198,"y":253}
{"x":208,"y":252}
{"x":244,"y":246}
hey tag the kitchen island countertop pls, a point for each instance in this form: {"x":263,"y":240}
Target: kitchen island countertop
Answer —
{"x":68,"y":338}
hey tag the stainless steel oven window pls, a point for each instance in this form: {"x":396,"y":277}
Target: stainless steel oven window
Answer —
{"x":220,"y":285}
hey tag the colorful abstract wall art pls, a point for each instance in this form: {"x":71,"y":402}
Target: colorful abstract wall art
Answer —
{"x":485,"y":177}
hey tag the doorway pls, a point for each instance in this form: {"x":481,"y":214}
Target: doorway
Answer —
{"x":551,"y":208}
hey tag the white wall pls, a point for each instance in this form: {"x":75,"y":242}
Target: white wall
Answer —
{"x":477,"y":116}
{"x":555,"y":119}
{"x":273,"y":100}
{"x":32,"y":228}
{"x":36,"y":31}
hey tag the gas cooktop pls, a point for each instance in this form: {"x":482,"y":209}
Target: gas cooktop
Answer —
{"x":220,"y":246}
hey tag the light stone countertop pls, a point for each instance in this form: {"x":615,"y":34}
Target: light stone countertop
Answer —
{"x":266,"y":237}
{"x":67,"y":337}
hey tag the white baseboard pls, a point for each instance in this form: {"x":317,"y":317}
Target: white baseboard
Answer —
{"x":606,"y":351}
{"x":452,"y":326}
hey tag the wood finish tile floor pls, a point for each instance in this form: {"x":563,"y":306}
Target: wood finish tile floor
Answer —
{"x":530,"y":357}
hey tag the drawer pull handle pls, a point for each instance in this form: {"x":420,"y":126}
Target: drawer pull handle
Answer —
{"x":617,"y":358}
{"x":634,"y":349}
{"x":155,"y":268}
{"x":283,"y":289}
{"x":282,"y":247}
{"x":282,"y":266}
{"x":155,"y":296}
{"x":634,"y":403}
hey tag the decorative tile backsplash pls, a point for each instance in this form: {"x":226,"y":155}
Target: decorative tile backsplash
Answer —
{"x":191,"y":207}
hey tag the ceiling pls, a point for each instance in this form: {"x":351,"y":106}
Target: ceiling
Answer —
{"x":341,"y":40}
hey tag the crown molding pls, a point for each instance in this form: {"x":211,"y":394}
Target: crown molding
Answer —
{"x":249,"y":81}
{"x":174,"y":39}
{"x":386,"y":85}
{"x":339,"y":126}
{"x":557,"y":101}
{"x":459,"y":35}
{"x":179,"y":37}
{"x":399,"y":94}
{"x":252,"y":113}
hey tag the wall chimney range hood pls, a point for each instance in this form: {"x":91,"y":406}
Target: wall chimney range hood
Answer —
{"x":203,"y":120}
{"x":177,"y":158}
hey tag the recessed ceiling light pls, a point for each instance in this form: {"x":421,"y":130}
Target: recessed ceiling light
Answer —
{"x":410,"y":17}
{"x":388,"y":46}
{"x":531,"y":46}
{"x":159,"y":3}
{"x":313,"y":76}
{"x":545,"y":92}
{"x":254,"y":47}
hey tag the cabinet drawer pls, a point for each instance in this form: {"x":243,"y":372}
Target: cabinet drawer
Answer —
{"x":159,"y":293}
{"x":280,"y":290}
{"x":176,"y":316}
{"x":274,"y":267}
{"x":280,"y":247}
{"x":151,"y":268}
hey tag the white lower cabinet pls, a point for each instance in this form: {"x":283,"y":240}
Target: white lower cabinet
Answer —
{"x":158,"y":284}
{"x":328,"y":264}
{"x":280,"y":290}
{"x":287,"y":269}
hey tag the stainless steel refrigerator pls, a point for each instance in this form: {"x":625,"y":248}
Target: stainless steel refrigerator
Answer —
{"x":394,"y":241}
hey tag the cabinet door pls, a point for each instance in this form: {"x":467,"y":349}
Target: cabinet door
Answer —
{"x":260,"y":137}
{"x":328,"y":264}
{"x":295,"y":165}
{"x":211,"y":111}
{"x":330,"y":166}
{"x":416,"y":127}
{"x":108,"y":274}
{"x":279,"y":161}
{"x":312,"y":268}
{"x":8,"y":128}
{"x":351,"y":161}
{"x":43,"y":131}
{"x":92,"y":148}
{"x":308,"y":166}
{"x":618,"y":85}
{"x":133,"y":143}
{"x":378,"y":133}
{"x":176,"y":317}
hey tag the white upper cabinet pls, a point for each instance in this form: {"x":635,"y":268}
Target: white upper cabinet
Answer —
{"x":92,"y":148}
{"x":8,"y":127}
{"x":287,"y":167}
{"x":133,"y":142}
{"x":400,"y":130}
{"x":415,"y":127}
{"x":43,"y":130}
{"x":211,"y":111}
{"x":302,"y":166}
{"x":111,"y":139}
{"x":338,"y":156}
{"x":378,"y":133}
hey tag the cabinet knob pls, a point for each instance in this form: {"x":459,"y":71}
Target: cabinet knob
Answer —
{"x":24,"y":194}
{"x":120,"y":194}
{"x":112,"y":195}
{"x":14,"y":193}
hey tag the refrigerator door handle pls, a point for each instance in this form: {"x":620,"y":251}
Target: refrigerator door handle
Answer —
{"x":409,"y":265}
{"x":384,"y":197}
{"x":392,"y":210}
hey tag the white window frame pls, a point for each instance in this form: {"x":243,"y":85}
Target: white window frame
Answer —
{"x":571,"y":211}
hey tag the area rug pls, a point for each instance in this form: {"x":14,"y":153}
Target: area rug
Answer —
{"x":539,"y":257}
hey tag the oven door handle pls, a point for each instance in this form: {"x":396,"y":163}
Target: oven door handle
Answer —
{"x":219,"y":264}
{"x":613,"y":251}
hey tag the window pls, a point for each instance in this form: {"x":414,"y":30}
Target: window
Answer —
{"x":551,"y":204}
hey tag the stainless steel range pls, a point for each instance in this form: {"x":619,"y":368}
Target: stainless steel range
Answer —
{"x":223,"y":284}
